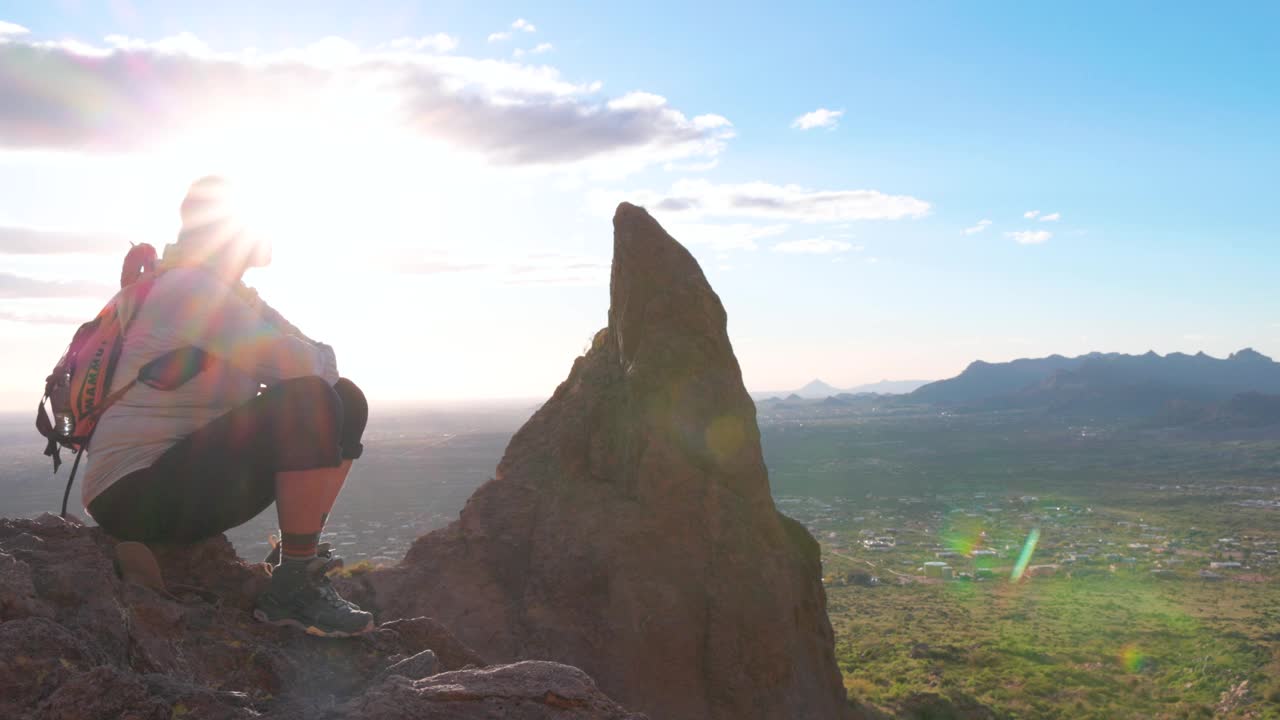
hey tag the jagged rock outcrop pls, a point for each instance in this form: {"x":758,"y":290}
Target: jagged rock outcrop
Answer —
{"x":629,"y":529}
{"x":78,"y":643}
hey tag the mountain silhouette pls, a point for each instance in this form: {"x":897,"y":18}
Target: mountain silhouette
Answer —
{"x":817,"y":389}
{"x":1109,"y":383}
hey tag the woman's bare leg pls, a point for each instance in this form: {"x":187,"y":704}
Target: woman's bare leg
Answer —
{"x":304,"y":499}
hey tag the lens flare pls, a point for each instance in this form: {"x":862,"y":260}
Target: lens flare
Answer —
{"x":963,"y":535}
{"x":1024,"y":557}
{"x":1132,"y":659}
{"x":725,"y":437}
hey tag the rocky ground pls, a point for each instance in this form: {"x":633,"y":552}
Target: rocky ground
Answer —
{"x":77,"y":642}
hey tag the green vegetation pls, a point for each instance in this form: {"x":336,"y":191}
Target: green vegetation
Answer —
{"x":1100,"y":647}
{"x":360,"y":567}
{"x":1120,"y":614}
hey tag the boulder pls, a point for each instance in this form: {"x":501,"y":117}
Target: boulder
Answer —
{"x":527,"y":690}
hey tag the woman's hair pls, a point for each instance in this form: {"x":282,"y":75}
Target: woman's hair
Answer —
{"x":208,"y":202}
{"x":213,"y":228}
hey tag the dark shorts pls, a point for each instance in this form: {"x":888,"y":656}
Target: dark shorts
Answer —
{"x":223,"y":474}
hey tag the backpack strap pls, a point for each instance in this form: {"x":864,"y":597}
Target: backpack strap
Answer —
{"x":54,"y":449}
{"x":144,"y":289}
{"x":72,"y":478}
{"x":44,"y":425}
{"x":108,"y":401}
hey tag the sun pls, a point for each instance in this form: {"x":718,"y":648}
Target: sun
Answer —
{"x":342,"y":200}
{"x":309,"y":172}
{"x":326,"y":192}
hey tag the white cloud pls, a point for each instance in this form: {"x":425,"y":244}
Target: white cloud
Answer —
{"x":556,"y":270}
{"x":152,"y":93}
{"x":438,"y":42}
{"x":1030,"y":237}
{"x":8,"y":29}
{"x":695,"y":198}
{"x":35,"y":241}
{"x":498,"y":36}
{"x":723,"y":237}
{"x":42,"y":318}
{"x":711,"y":122}
{"x":538,"y":49}
{"x":522,"y":24}
{"x":1031,"y":214}
{"x":539,"y":269}
{"x":638,"y":101}
{"x":813,"y":246}
{"x":183,"y":43}
{"x":692,"y":167}
{"x":982,"y":225}
{"x":820,"y":118}
{"x":20,"y":286}
{"x":1051,"y":217}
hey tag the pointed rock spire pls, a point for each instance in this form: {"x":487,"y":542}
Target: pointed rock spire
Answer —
{"x":629,"y":528}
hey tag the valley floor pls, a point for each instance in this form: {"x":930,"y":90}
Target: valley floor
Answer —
{"x":1033,"y":610}
{"x":996,"y":567}
{"x":1102,"y":647}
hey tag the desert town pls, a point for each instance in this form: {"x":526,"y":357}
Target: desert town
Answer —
{"x":985,"y":537}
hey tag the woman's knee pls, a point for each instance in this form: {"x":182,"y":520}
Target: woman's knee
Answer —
{"x":354,"y":405}
{"x":309,"y":405}
{"x":336,"y":413}
{"x":355,"y":416}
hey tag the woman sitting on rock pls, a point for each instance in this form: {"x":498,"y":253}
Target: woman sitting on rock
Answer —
{"x":242,"y":410}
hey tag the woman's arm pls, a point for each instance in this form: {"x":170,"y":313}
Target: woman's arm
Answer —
{"x":212,"y":316}
{"x":270,"y":314}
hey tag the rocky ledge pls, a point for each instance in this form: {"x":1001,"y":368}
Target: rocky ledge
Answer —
{"x":79,"y":643}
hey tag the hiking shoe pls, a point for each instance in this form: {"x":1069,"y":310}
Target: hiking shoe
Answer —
{"x":324,"y":550}
{"x":302,"y":595}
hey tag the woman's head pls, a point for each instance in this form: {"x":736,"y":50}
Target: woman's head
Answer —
{"x":214,"y":230}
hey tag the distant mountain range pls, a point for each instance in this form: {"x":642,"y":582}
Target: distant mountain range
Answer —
{"x":1240,"y":391}
{"x":1176,"y":386}
{"x":817,"y":389}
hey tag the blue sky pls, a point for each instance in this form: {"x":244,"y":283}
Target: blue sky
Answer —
{"x":470,"y":178}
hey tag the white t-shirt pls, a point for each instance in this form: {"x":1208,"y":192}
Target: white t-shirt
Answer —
{"x":190,"y":307}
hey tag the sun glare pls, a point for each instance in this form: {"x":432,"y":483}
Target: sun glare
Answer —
{"x":337,"y":197}
{"x":312,"y":171}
